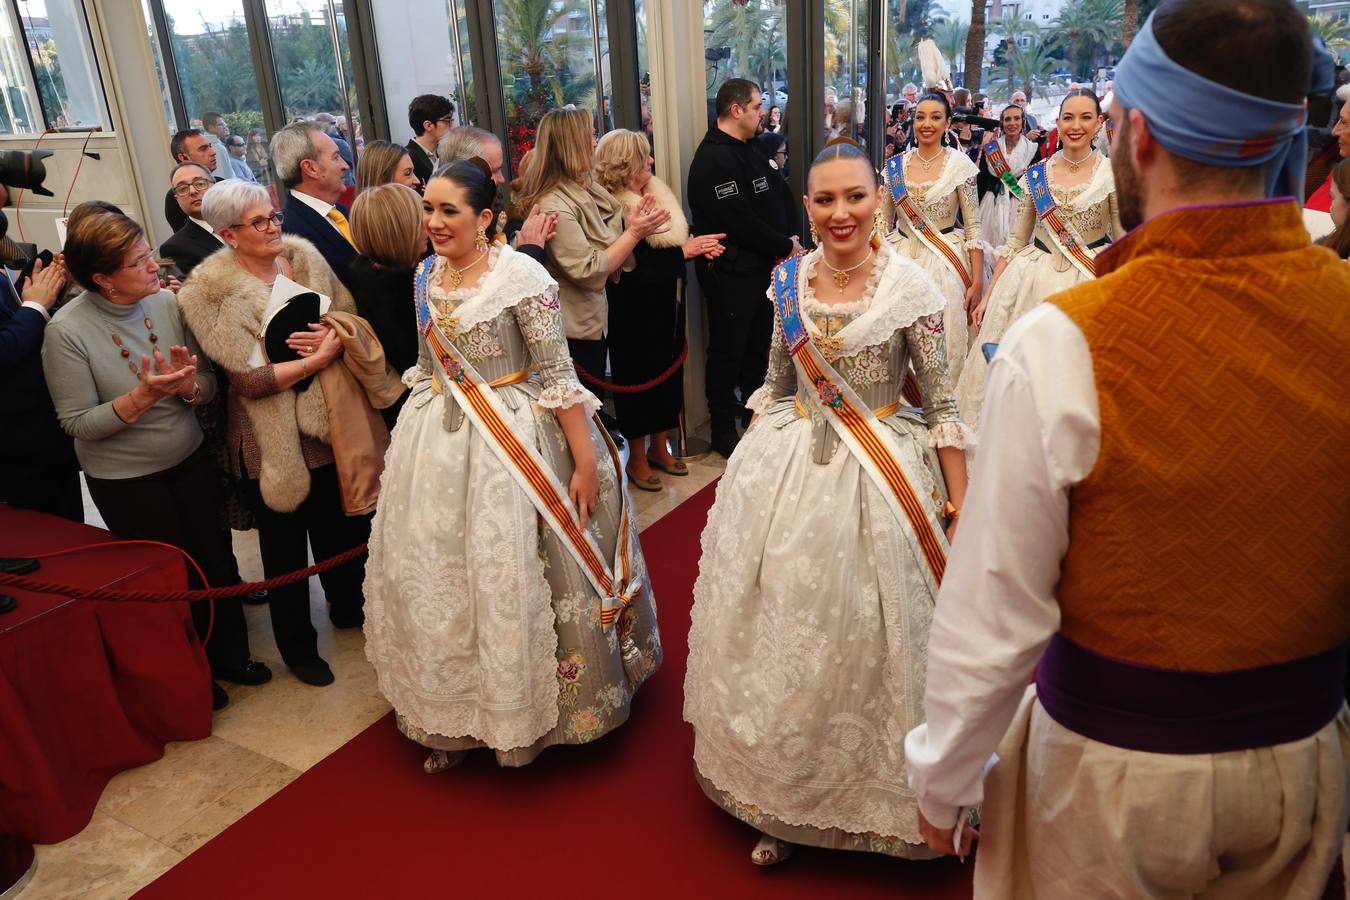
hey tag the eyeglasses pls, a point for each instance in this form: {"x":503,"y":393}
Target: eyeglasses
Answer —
{"x":260,"y":225}
{"x":196,"y":185}
{"x":139,"y":263}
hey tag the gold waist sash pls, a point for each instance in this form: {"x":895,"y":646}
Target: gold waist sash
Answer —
{"x":881,"y":412}
{"x":505,"y":381}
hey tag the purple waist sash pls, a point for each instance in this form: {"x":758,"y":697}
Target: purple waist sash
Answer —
{"x":1160,"y":711}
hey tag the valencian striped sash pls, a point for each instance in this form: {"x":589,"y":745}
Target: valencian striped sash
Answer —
{"x":856,"y":424}
{"x":1074,"y":248}
{"x":894,"y":175}
{"x":616,"y":586}
{"x":998,"y":164}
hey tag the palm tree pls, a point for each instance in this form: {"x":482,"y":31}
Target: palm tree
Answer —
{"x":1336,"y":32}
{"x":1032,"y":67}
{"x":525,"y":36}
{"x":975,"y":45}
{"x":1088,"y":25}
{"x":1013,"y":28}
{"x":950,"y":37}
{"x":1130,"y":24}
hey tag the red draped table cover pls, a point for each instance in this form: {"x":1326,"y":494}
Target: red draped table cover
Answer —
{"x":88,"y":688}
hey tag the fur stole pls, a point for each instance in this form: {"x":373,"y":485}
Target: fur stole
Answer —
{"x":222,"y":304}
{"x":677,"y":229}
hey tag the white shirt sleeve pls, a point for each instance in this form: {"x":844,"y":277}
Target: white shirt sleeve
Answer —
{"x":33,"y":304}
{"x":996,"y":612}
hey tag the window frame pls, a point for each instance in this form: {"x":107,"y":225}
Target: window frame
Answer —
{"x":29,"y":69}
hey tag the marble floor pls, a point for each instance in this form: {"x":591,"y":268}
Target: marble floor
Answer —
{"x":151,"y":817}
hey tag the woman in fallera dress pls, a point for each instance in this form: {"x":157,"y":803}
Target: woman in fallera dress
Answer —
{"x":938,"y":183}
{"x":998,"y":204}
{"x":815,"y":592}
{"x":483,"y":629}
{"x":1037,"y":261}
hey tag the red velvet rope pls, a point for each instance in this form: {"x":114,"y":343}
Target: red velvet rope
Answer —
{"x":238,"y":590}
{"x":633,"y":388}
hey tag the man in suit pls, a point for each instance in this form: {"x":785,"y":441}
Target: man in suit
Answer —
{"x":311,"y":167}
{"x":431,"y":117}
{"x":196,"y":240}
{"x":38,"y":469}
{"x":189,"y":145}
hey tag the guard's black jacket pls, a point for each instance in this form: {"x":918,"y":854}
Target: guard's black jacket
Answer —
{"x":734,"y":191}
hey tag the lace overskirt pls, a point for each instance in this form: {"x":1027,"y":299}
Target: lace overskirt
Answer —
{"x":481,"y":628}
{"x":809,"y":634}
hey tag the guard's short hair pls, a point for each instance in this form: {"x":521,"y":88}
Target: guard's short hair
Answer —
{"x":428,"y":108}
{"x":738,"y":91}
{"x":290,"y":147}
{"x":1258,"y":47}
{"x":178,"y":144}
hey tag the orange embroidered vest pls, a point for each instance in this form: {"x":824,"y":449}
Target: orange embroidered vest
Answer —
{"x":1213,"y":533}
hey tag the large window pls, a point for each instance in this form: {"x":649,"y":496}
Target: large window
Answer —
{"x":16,"y":106}
{"x":845,"y":67}
{"x":214,"y":64}
{"x":746,"y":41}
{"x":68,"y":84}
{"x":549,"y":51}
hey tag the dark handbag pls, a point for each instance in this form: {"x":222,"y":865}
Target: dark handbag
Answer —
{"x":294,"y":315}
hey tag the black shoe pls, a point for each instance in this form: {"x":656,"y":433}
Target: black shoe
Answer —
{"x":313,"y":671}
{"x":251,"y":672}
{"x":255,"y":598}
{"x":219,"y":699}
{"x":724,"y":441}
{"x":347,"y":617}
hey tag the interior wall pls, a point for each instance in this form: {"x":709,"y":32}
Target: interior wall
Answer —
{"x":413,"y":38}
{"x":133,"y":154}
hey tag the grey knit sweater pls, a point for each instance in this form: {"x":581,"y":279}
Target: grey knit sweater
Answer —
{"x":86,"y":372}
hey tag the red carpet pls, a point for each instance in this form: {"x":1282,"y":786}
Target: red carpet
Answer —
{"x":621,"y":817}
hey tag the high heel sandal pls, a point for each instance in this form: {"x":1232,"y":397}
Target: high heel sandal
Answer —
{"x":770,"y":851}
{"x":441,"y":760}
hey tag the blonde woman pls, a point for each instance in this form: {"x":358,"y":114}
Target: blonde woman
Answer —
{"x":385,"y":163}
{"x":387,"y":229}
{"x":595,"y":235}
{"x":646,"y":308}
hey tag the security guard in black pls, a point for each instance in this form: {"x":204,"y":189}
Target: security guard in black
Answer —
{"x":733,"y":190}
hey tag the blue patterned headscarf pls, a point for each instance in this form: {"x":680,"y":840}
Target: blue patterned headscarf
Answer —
{"x":1215,"y":125}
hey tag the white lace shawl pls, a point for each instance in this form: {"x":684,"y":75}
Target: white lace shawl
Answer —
{"x":514,"y":277}
{"x":957,"y":169}
{"x":1099,"y":186}
{"x":904,"y":294}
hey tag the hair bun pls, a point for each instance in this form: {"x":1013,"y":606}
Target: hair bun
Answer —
{"x":843,"y":140}
{"x":482,"y":164}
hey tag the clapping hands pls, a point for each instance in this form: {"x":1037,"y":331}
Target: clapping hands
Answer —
{"x":646,"y":217}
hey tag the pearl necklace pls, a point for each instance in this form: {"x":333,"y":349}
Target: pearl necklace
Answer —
{"x":841,"y":276}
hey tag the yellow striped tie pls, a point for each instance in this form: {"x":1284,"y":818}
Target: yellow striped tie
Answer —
{"x":338,"y":219}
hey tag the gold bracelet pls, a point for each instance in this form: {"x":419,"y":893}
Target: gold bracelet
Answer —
{"x":304,"y":373}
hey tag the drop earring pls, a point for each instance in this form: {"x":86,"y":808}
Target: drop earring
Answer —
{"x":815,"y":235}
{"x":879,"y":225}
{"x":480,"y":241}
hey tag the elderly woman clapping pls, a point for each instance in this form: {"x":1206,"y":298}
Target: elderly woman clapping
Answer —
{"x":279,"y":425}
{"x":125,"y":374}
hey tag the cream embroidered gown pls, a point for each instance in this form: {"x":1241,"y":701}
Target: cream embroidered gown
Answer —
{"x":940,"y":200}
{"x":1036,"y":268}
{"x":811,"y":610}
{"x":482,"y":629}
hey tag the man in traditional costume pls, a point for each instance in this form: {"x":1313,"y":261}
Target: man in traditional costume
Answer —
{"x":1156,"y":524}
